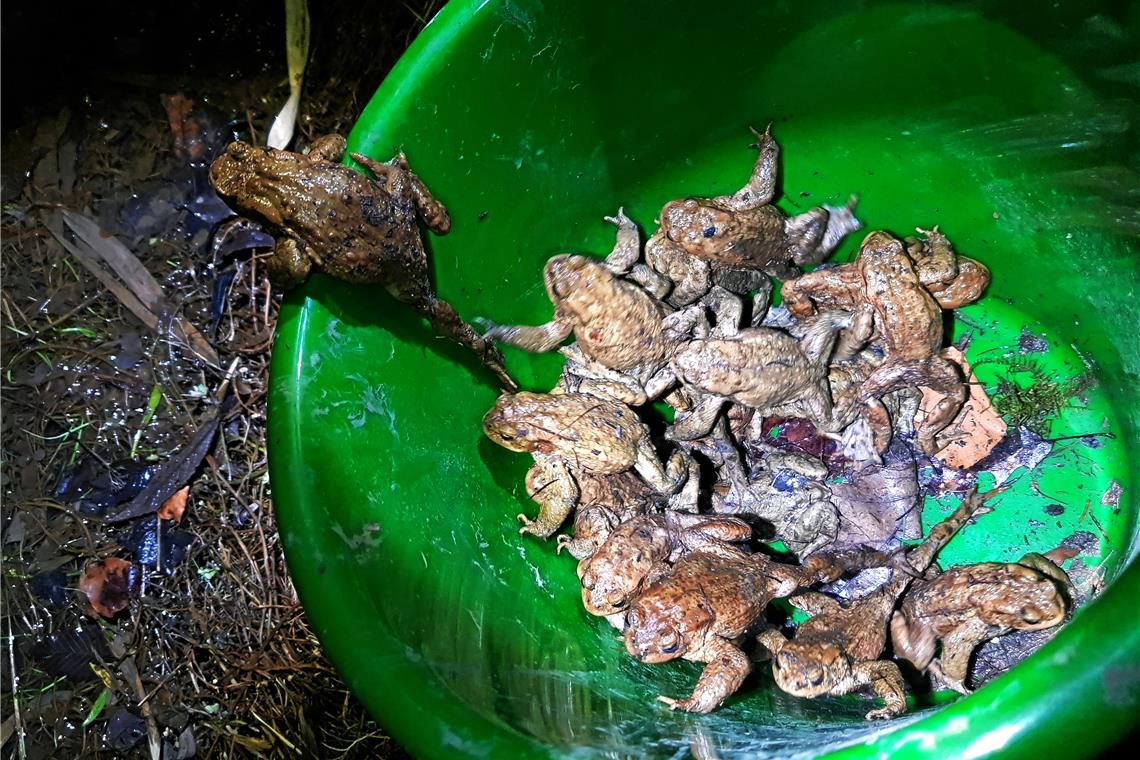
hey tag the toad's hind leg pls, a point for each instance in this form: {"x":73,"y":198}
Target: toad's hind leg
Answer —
{"x":761,"y":187}
{"x":397,"y":178}
{"x":935,"y":373}
{"x":840,"y":221}
{"x":445,"y":320}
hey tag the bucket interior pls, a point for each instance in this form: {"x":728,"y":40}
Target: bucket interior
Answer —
{"x":531,"y":121}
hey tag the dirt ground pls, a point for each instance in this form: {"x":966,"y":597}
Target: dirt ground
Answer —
{"x":153,"y":637}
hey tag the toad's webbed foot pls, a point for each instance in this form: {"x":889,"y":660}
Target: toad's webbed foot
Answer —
{"x":721,"y":678}
{"x":627,"y":246}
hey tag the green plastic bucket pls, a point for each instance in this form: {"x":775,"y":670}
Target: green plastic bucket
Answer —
{"x":531,"y":120}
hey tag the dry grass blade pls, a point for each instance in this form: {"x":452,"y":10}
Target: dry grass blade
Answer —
{"x":134,"y":287}
{"x":297,"y":44}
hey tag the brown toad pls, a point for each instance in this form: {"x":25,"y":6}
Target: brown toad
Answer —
{"x":971,"y":604}
{"x":568,"y":433}
{"x":763,"y":368}
{"x":705,"y":240}
{"x":642,"y":550}
{"x":604,"y":503}
{"x":699,"y":610}
{"x":909,"y":323}
{"x":329,"y":217}
{"x":952,"y":279}
{"x":624,"y":336}
{"x":837,"y":650}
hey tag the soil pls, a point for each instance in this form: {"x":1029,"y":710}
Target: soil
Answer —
{"x":176,"y":636}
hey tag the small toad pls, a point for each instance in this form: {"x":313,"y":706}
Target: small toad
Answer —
{"x":953,"y":280}
{"x":699,"y":610}
{"x":604,"y":503}
{"x":763,"y":368}
{"x":970,"y":604}
{"x":642,"y":550}
{"x":624,"y":336}
{"x":574,"y":432}
{"x":789,"y":493}
{"x":837,"y":650}
{"x":328,"y":217}
{"x":909,"y":323}
{"x":702,"y":240}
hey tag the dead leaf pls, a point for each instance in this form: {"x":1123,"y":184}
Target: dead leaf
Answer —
{"x":1061,"y":553}
{"x":182,"y":126}
{"x":879,"y":504}
{"x":175,"y":473}
{"x":123,"y":274}
{"x":976,"y":430}
{"x":175,"y":506}
{"x":108,"y":585}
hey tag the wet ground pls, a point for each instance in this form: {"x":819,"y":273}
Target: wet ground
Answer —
{"x":136,"y":341}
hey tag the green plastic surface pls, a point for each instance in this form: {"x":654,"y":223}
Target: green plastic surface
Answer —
{"x":531,"y":120}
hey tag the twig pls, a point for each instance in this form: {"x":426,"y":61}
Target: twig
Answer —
{"x":23,"y":750}
{"x":131,"y":672}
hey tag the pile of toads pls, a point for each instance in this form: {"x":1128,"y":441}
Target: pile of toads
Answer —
{"x":665,"y":544}
{"x":802,"y":423}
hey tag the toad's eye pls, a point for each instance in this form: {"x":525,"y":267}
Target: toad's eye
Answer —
{"x":506,"y":436}
{"x":1030,"y":616}
{"x":818,"y":679}
{"x":709,"y":231}
{"x":670,"y":649}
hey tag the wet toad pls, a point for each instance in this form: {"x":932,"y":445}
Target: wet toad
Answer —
{"x":328,"y":217}
{"x":700,"y":609}
{"x":572,"y":432}
{"x":642,"y":550}
{"x":971,"y":604}
{"x":837,"y":650}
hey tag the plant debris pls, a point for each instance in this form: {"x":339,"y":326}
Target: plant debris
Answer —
{"x":121,"y":148}
{"x":976,"y":430}
{"x":109,"y":585}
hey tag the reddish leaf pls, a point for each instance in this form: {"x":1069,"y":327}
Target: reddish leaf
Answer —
{"x":109,"y":584}
{"x":175,"y":506}
{"x":182,"y":126}
{"x":976,"y":430}
{"x":1061,"y":553}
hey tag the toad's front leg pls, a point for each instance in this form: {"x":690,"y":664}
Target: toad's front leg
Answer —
{"x":289,"y":265}
{"x":726,"y":670}
{"x":552,"y":486}
{"x":953,"y":667}
{"x":663,"y":480}
{"x":885,"y":678}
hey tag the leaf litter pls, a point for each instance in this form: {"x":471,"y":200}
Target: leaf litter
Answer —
{"x":129,"y":308}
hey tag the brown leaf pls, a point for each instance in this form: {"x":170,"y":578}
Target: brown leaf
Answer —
{"x":976,"y":430}
{"x":1061,"y":553}
{"x":109,"y":584}
{"x":878,"y":505}
{"x":182,"y":127}
{"x":123,"y":274}
{"x":175,"y":506}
